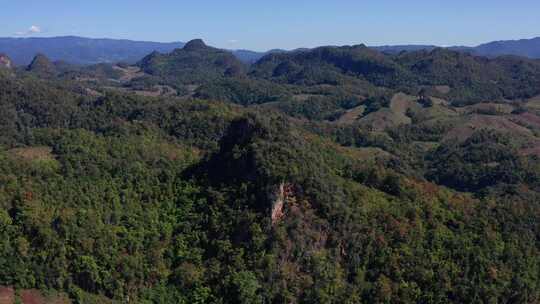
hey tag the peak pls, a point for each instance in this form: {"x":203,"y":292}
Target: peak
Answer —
{"x":40,"y":63}
{"x":195,"y":44}
{"x":40,"y":56}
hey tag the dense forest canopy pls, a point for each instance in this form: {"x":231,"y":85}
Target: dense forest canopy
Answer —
{"x":332,"y":175}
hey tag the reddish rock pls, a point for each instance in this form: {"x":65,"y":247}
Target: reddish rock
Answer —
{"x":32,"y":296}
{"x":7,"y":295}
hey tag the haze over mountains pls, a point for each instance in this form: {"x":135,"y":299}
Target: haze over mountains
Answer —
{"x":84,"y":51}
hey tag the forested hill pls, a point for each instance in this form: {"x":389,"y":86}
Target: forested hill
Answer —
{"x":330,"y":175}
{"x":87,"y":51}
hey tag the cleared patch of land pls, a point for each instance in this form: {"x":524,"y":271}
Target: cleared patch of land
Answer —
{"x":475,"y":122}
{"x":352,"y":115}
{"x":401,"y":102}
{"x":489,"y":108}
{"x":534,"y":103}
{"x":394,"y":115}
{"x":129,"y":73}
{"x":383,"y":119}
{"x":33,"y":153}
{"x":443,"y":89}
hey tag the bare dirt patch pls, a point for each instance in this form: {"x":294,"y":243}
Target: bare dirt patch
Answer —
{"x":382,"y":119}
{"x":352,"y":115}
{"x":489,"y":108}
{"x":129,"y":73}
{"x":401,"y":102}
{"x":34,"y":296}
{"x":533,"y":103}
{"x":303,"y":97}
{"x":156,"y":91}
{"x":443,"y":89}
{"x":33,"y":153}
{"x":439,"y":101}
{"x":159,"y":90}
{"x":477,"y":122}
{"x":92,"y":92}
{"x":528,"y":120}
{"x":393,"y":116}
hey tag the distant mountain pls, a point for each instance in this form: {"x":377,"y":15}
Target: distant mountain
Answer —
{"x":194,"y":63}
{"x":328,"y":65}
{"x":85,"y":51}
{"x":524,"y":47}
{"x":77,"y":50}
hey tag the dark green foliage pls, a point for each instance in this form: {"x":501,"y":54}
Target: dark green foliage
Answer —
{"x":194,"y":64}
{"x":374,"y":104}
{"x":243,"y":91}
{"x":125,"y":198}
{"x":319,"y":107}
{"x":486,"y":159}
{"x":472,"y":79}
{"x":329,"y":65}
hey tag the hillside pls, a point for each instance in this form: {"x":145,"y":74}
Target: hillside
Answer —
{"x":195,"y":63}
{"x":529,"y":48}
{"x":523,"y":47}
{"x":331,"y":175}
{"x":78,"y":50}
{"x":86,"y":51}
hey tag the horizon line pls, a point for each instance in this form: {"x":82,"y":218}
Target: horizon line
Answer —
{"x":276,"y":48}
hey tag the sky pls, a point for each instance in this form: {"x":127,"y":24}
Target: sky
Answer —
{"x":286,"y":24}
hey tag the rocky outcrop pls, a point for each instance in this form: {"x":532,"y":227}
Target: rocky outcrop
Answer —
{"x":7,"y":295}
{"x":5,"y":61}
{"x":283,"y":198}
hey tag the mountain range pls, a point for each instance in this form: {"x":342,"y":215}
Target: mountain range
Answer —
{"x":85,"y":51}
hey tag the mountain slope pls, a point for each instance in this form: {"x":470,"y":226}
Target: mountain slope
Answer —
{"x":470,"y":78}
{"x":114,"y":197}
{"x":78,"y":50}
{"x":194,"y":64}
{"x":524,"y":47}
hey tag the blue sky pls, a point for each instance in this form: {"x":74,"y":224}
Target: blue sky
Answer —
{"x":262,"y":25}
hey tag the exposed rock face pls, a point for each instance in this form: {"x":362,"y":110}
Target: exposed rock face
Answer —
{"x":283,"y":197}
{"x":5,"y":62}
{"x":7,"y":295}
{"x":30,"y":296}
